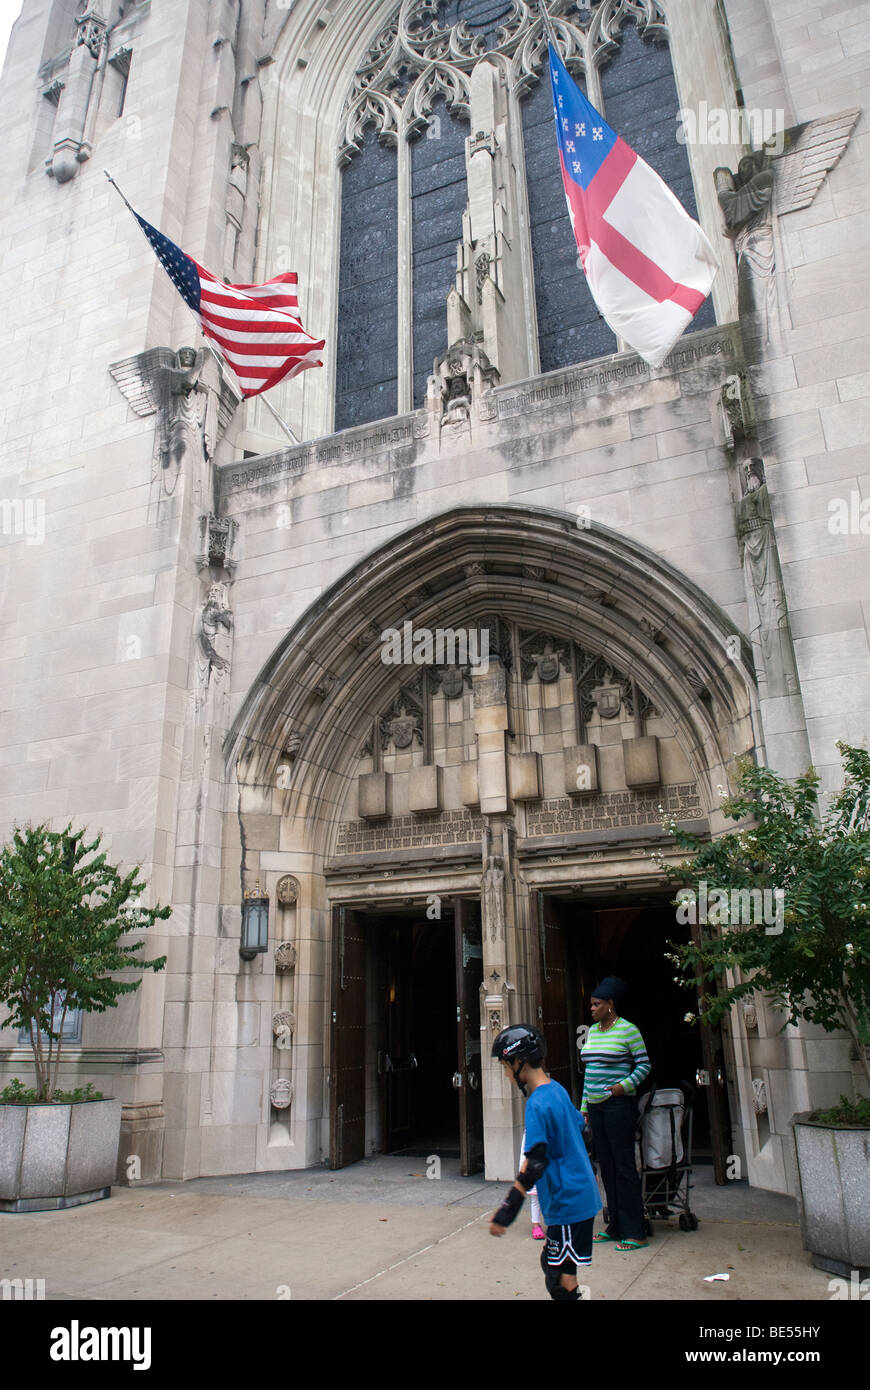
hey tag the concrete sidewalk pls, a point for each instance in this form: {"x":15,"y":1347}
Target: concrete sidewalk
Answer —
{"x":380,"y":1230}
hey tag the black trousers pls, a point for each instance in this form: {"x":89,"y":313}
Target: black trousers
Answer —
{"x":613,"y":1123}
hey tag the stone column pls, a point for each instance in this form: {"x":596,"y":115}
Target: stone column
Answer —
{"x":71,"y":145}
{"x":490,"y":725}
{"x":500,"y":1106}
{"x":492,"y":282}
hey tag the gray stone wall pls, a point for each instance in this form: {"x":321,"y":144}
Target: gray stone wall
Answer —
{"x":813,"y":384}
{"x":105,"y":719}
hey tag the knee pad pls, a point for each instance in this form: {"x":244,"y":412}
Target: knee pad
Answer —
{"x":552,"y":1278}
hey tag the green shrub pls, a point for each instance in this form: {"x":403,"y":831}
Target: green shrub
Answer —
{"x":815,"y":965}
{"x":848,"y":1114}
{"x":17,"y":1094}
{"x":63,"y":912}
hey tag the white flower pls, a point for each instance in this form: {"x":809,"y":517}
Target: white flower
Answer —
{"x":688,"y":1018}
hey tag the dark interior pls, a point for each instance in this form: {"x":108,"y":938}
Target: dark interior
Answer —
{"x":630,"y":940}
{"x":415,"y":971}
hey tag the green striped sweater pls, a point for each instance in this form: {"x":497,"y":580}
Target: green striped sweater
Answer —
{"x":613,"y":1055}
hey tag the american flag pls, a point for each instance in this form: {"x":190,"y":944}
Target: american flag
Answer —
{"x":648,"y":264}
{"x":256,"y":327}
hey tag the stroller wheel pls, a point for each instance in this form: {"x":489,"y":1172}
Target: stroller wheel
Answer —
{"x":685,"y":1224}
{"x":647,"y":1228}
{"x":693,"y":1221}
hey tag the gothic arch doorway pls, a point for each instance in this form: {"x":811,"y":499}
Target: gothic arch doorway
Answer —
{"x":426,"y":778}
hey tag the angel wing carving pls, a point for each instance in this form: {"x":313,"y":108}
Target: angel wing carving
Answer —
{"x":229,"y":401}
{"x":811,"y":152}
{"x":143,"y":379}
{"x":137,"y":378}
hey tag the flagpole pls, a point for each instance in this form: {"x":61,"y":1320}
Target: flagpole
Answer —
{"x":548,"y":25}
{"x":268,"y":404}
{"x":118,"y":191}
{"x":285,"y":427}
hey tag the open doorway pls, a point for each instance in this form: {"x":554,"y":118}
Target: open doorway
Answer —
{"x":405,"y":1067}
{"x":414,"y":964}
{"x":582,"y":941}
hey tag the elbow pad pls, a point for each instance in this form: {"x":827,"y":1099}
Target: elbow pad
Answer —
{"x":509,"y":1208}
{"x":536,"y":1162}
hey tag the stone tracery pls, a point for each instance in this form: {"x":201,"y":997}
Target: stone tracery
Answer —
{"x":417,"y":57}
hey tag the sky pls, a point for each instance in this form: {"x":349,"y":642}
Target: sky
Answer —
{"x":9,"y":12}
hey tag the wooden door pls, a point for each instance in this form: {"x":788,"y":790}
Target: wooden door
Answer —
{"x":712,"y":1087}
{"x":347,"y":1039}
{"x":468,"y":939}
{"x":551,"y":979}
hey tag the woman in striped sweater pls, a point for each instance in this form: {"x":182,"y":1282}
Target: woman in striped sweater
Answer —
{"x":616,"y":1063}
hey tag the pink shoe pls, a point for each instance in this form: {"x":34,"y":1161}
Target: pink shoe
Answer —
{"x":538,"y":1233}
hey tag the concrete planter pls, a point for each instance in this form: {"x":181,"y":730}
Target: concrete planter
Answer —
{"x":834,"y":1195}
{"x":54,"y":1156}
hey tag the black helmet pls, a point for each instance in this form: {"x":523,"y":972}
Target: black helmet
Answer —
{"x":520,"y":1043}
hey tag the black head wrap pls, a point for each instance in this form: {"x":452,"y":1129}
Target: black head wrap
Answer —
{"x":612,"y":988}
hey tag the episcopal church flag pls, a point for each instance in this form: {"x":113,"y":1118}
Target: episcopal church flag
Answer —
{"x":648,"y":265}
{"x":256,"y":327}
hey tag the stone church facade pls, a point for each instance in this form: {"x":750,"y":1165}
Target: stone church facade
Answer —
{"x":255,"y":664}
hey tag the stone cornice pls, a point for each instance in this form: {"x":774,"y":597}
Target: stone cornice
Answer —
{"x":602,"y":385}
{"x":113,"y":1056}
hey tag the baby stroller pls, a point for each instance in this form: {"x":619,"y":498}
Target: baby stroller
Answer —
{"x":664,"y":1152}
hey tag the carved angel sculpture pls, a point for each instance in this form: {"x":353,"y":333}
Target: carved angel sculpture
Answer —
{"x":193,"y":400}
{"x":764,"y":188}
{"x":746,"y":202}
{"x":189,"y":395}
{"x":757,"y":540}
{"x":747,"y":194}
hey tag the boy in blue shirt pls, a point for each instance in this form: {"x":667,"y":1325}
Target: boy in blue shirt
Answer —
{"x":555,"y":1161}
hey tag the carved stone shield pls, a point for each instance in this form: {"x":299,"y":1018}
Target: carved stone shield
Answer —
{"x":288,"y":890}
{"x":402,"y":731}
{"x":451,"y":683}
{"x":281,"y":1093}
{"x":548,"y":668}
{"x":608,"y":700}
{"x":285,"y":956}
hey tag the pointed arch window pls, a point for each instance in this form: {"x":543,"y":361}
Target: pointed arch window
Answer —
{"x":404,"y":186}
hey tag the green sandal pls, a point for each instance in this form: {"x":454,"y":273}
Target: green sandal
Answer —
{"x":602,"y":1238}
{"x":632,"y":1245}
